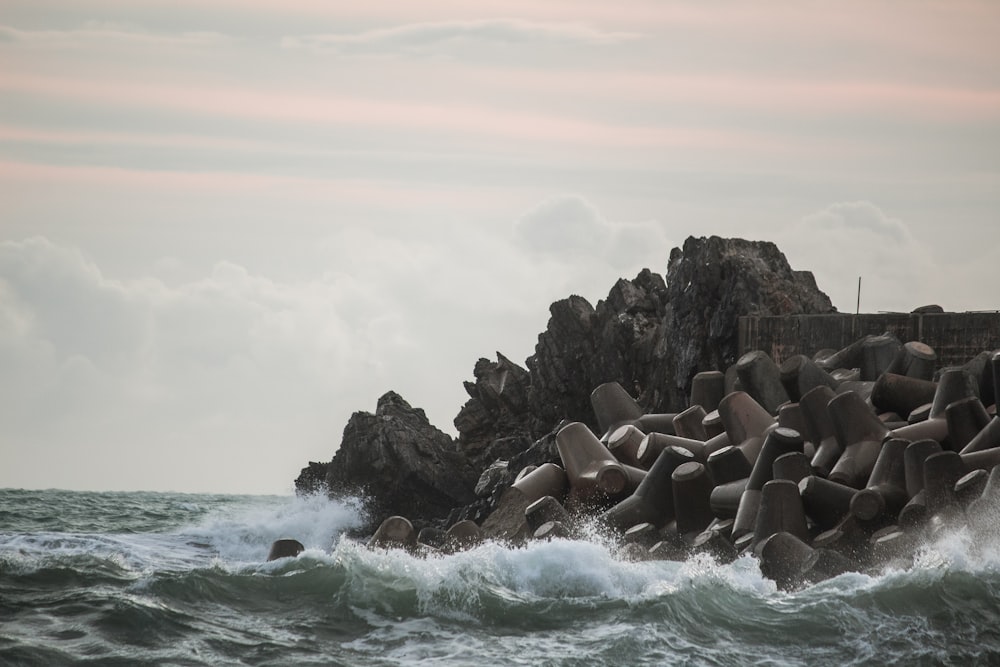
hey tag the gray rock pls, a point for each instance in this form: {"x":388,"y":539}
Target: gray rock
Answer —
{"x":402,"y":463}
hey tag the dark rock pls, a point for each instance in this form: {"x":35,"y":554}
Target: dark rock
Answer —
{"x":649,"y":334}
{"x":312,"y":479}
{"x":402,"y":463}
{"x":495,"y":421}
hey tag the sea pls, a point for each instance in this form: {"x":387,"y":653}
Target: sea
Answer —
{"x":183,"y":579}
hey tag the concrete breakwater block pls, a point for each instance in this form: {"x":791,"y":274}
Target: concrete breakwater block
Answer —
{"x":847,"y":460}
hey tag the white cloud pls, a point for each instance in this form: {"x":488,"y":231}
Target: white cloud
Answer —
{"x":570,"y":227}
{"x":441,"y":35}
{"x":848,"y":240}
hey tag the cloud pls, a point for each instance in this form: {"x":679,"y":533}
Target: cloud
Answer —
{"x":859,"y":216}
{"x":440,"y":35}
{"x":571,"y":228}
{"x":846,"y":240}
{"x":215,"y":383}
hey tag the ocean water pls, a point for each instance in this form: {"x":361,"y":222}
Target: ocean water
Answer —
{"x":178,"y":579}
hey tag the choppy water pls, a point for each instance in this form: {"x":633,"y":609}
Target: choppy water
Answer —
{"x":159,"y":578}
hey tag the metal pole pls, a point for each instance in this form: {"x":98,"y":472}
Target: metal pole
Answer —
{"x":858,"y":311}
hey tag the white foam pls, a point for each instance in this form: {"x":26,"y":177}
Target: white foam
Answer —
{"x":244,"y":533}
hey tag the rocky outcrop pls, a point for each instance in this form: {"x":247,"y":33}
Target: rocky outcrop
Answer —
{"x":711,"y":283}
{"x":496,"y":421}
{"x":401,"y":463}
{"x":649,"y":334}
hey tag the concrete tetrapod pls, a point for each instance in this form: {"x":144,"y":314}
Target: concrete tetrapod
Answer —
{"x":824,"y":501}
{"x":595,"y":475}
{"x":878,"y":354}
{"x":987,"y":438}
{"x":543,"y":510}
{"x":901,"y":394}
{"x":613,"y":406}
{"x":819,"y":428}
{"x":746,"y":422}
{"x":800,"y":374}
{"x":954,"y":384}
{"x":860,"y":433}
{"x":653,"y":500}
{"x":778,"y":441}
{"x":692,"y":490}
{"x":285,"y":547}
{"x":624,"y":442}
{"x":780,"y":511}
{"x":885,"y":494}
{"x":396,"y":532}
{"x":761,"y":379}
{"x":707,"y":389}
{"x":915,"y":360}
{"x":688,"y":423}
{"x":966,"y":418}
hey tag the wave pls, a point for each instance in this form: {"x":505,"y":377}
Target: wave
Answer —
{"x":202,"y":593}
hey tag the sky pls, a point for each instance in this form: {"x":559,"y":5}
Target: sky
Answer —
{"x":227,"y":225}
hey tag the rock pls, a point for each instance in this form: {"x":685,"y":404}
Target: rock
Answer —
{"x":495,"y":422}
{"x":312,"y":479}
{"x":649,"y":334}
{"x":402,"y":463}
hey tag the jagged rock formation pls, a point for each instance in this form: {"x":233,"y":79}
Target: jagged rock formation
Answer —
{"x":402,"y":463}
{"x":649,"y":334}
{"x":710,"y":284}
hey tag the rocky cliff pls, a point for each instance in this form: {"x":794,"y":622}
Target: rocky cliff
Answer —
{"x":650,"y":334}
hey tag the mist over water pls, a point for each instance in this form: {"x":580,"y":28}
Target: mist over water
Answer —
{"x":144,"y":578}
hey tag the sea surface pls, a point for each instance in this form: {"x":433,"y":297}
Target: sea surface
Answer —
{"x":180,"y":579}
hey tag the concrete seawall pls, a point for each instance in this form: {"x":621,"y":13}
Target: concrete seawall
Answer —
{"x":956,"y":337}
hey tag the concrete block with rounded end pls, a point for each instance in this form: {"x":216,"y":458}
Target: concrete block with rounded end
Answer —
{"x":595,"y":475}
{"x":878,"y":353}
{"x":761,"y":379}
{"x":780,"y":511}
{"x":800,"y":374}
{"x":651,"y":445}
{"x":824,"y":501}
{"x":547,"y":479}
{"x":707,"y":389}
{"x":819,"y":429}
{"x":900,"y":393}
{"x":285,"y":547}
{"x":623,"y":443}
{"x":791,"y":465}
{"x":688,"y":423}
{"x":645,"y":534}
{"x":432,"y":537}
{"x":396,"y":532}
{"x":692,"y":499}
{"x":885,"y":494}
{"x":987,"y":438}
{"x":783,"y":557}
{"x":551,"y":530}
{"x":653,"y":499}
{"x":941,"y":472}
{"x":966,"y":418}
{"x":463,"y":535}
{"x":543,"y":510}
{"x":970,"y":487}
{"x":746,"y":422}
{"x":613,"y":406}
{"x":728,"y":465}
{"x":913,"y":463}
{"x":715,"y":545}
{"x":860,"y":433}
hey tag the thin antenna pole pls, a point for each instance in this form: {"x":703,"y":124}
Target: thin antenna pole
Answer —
{"x":858,"y":311}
